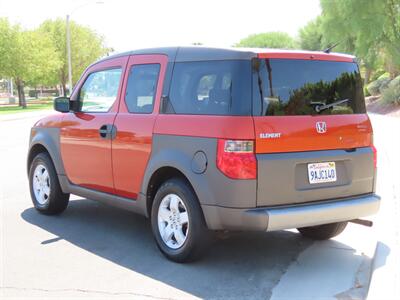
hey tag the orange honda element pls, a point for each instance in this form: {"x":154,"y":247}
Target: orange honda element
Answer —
{"x":204,"y":139}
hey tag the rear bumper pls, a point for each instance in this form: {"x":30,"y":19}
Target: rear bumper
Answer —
{"x":295,"y":216}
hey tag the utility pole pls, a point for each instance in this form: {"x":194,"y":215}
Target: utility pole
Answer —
{"x":10,"y":87}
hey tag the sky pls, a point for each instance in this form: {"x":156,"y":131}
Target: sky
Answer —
{"x":128,"y":25}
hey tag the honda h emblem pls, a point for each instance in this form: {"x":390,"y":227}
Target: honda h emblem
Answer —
{"x":321,"y":127}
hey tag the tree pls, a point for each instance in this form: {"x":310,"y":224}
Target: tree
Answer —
{"x":86,"y":47}
{"x":311,"y":36}
{"x":42,"y":60}
{"x":27,"y":56}
{"x":269,"y":40}
{"x":5,"y":43}
{"x":8,"y":35}
{"x":366,"y":28}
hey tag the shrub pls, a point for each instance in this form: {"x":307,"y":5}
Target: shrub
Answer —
{"x":384,"y":75}
{"x":378,"y":74}
{"x":384,"y":84}
{"x":374,"y":88}
{"x":366,"y":92}
{"x":392,"y":93}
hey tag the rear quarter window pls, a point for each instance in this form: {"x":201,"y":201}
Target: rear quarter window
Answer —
{"x":141,"y":88}
{"x":211,"y":88}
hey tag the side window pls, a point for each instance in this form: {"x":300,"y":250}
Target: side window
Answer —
{"x":100,"y":90}
{"x":141,"y":88}
{"x":211,"y":88}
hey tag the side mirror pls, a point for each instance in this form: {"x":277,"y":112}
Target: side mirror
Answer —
{"x":61,"y":104}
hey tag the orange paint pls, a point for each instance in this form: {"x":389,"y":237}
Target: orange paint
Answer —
{"x":86,"y":155}
{"x":227,"y":127}
{"x":132,"y":145}
{"x":299,"y":133}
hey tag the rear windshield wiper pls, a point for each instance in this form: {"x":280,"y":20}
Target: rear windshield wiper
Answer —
{"x":320,"y":107}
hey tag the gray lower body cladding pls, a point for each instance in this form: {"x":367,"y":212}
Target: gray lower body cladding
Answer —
{"x":289,"y":202}
{"x":137,"y":206}
{"x":49,"y":138}
{"x":283,"y":177}
{"x":291,"y":216}
{"x":196,"y":157}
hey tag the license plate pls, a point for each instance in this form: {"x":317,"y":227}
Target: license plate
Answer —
{"x":321,"y":172}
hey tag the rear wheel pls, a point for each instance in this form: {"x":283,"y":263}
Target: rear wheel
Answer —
{"x":46,"y":193}
{"x":177,"y":222}
{"x":323,"y":232}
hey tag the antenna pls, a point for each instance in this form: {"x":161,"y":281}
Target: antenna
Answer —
{"x":328,"y":50}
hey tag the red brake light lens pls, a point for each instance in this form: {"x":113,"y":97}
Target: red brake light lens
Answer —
{"x":236,"y":159}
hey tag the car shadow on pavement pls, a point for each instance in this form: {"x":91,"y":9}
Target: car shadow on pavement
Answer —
{"x":247,"y":264}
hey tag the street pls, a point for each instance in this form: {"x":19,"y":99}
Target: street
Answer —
{"x":93,"y":250}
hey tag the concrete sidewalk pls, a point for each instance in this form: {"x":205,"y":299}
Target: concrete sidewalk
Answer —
{"x":334,"y":269}
{"x":385,"y":282}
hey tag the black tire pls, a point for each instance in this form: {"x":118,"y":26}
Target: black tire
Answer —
{"x":323,"y":232}
{"x":57,"y":201}
{"x":198,"y":236}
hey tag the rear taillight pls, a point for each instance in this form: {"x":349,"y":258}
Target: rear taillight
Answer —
{"x":236,"y":159}
{"x":375,"y":156}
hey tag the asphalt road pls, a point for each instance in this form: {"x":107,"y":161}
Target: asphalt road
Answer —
{"x":93,"y":250}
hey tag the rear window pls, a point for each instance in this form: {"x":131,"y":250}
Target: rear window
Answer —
{"x":283,"y":87}
{"x":211,"y":88}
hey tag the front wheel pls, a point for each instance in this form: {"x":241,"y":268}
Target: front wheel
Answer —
{"x":323,"y":232}
{"x":46,"y":193}
{"x":177,"y":222}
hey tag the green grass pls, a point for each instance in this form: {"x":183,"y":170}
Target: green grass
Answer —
{"x":30,"y":107}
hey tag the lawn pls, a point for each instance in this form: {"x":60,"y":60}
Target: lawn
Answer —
{"x":30,"y":107}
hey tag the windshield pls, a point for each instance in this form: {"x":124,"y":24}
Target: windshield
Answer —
{"x":306,"y":87}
